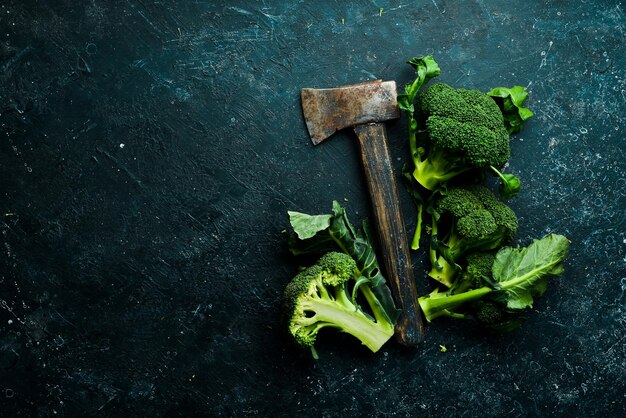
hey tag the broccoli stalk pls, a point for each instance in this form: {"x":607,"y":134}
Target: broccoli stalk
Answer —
{"x":334,"y":309}
{"x":323,"y":296}
{"x":425,"y":69}
{"x":418,"y":199}
{"x":438,"y":304}
{"x":436,"y":168}
{"x":415,"y":242}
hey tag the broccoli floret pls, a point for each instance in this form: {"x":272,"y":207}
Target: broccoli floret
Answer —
{"x":479,"y":267}
{"x":470,"y":219}
{"x":477,"y":272}
{"x":322,"y":296}
{"x":488,"y":313}
{"x":465,"y":131}
{"x":495,"y":317}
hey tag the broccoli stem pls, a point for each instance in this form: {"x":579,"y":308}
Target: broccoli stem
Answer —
{"x":412,"y":135}
{"x":377,"y":309}
{"x":435,"y":169}
{"x":443,"y":272}
{"x":415,"y":243}
{"x":350,"y":320}
{"x":460,"y":286}
{"x":432,"y":252}
{"x":498,"y":173}
{"x":510,"y":184}
{"x":442,"y":304}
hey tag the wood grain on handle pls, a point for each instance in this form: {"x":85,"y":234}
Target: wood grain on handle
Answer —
{"x":392,"y":237}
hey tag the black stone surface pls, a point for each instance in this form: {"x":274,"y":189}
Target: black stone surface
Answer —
{"x":150,"y":150}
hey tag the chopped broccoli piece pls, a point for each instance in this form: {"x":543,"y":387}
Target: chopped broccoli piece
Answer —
{"x":321,"y":296}
{"x":488,"y":313}
{"x":465,"y":131}
{"x":470,"y":219}
{"x":479,"y":266}
{"x":519,"y":274}
{"x":495,"y":317}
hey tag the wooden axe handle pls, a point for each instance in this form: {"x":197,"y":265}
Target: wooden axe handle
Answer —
{"x":392,"y":236}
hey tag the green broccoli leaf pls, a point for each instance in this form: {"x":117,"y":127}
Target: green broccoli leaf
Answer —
{"x":522,"y":272}
{"x":425,"y":69}
{"x":520,"y":275}
{"x":510,"y":184}
{"x":306,"y":226}
{"x":511,"y":103}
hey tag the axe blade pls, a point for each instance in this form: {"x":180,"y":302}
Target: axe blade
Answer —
{"x":329,"y":110}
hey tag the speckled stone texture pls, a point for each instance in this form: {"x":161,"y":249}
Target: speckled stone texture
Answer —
{"x":150,"y":150}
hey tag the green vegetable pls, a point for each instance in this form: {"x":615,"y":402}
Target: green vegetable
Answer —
{"x":465,"y":132}
{"x":321,"y":234}
{"x":468,"y":219}
{"x":511,"y":102}
{"x":452,"y":131}
{"x":495,"y":317}
{"x":477,"y":272}
{"x":510,"y":185}
{"x":519,"y":275}
{"x":320,"y":297}
{"x":420,"y":203}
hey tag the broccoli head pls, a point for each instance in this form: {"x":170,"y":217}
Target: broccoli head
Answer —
{"x":323,"y":296}
{"x":469,"y":219}
{"x":465,"y":131}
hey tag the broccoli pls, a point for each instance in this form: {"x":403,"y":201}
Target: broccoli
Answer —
{"x":472,"y":219}
{"x":490,"y":314}
{"x":495,"y":317}
{"x":477,"y":273}
{"x":324,"y":294}
{"x":465,"y":130}
{"x":517,"y":275}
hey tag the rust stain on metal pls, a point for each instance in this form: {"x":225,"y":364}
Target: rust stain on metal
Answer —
{"x":329,"y":110}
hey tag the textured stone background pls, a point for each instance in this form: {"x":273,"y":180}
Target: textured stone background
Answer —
{"x":150,"y":150}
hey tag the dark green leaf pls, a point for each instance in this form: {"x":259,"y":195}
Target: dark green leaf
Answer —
{"x":522,"y":272}
{"x":425,"y":69}
{"x":511,"y":102}
{"x":510,"y":186}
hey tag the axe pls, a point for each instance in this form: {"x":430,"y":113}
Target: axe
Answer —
{"x":365,"y":107}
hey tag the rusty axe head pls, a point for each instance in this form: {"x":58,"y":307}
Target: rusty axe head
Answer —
{"x":329,"y":110}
